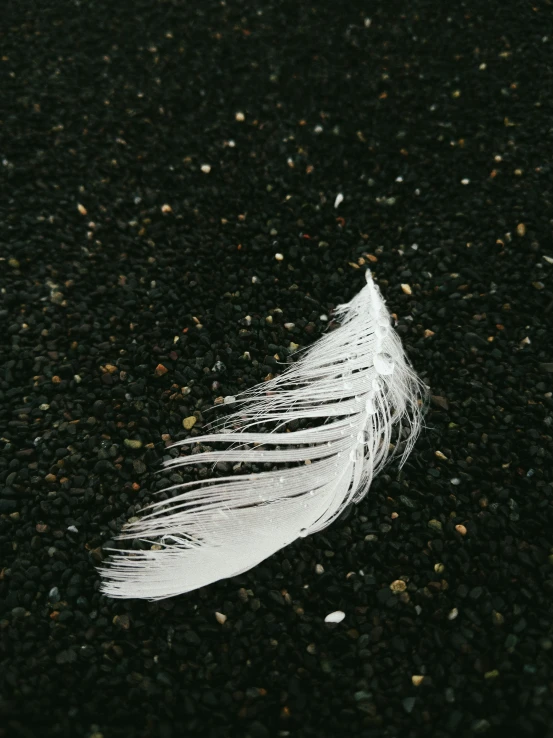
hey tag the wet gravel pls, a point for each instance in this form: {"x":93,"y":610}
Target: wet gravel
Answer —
{"x":169,"y":224}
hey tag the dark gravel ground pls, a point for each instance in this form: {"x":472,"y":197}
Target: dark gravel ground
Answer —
{"x":127,"y":276}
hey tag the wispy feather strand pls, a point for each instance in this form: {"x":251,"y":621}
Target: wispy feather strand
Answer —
{"x":355,"y":378}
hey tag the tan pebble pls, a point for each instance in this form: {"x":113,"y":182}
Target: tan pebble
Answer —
{"x":439,"y":568}
{"x":428,"y":333}
{"x":407,"y":289}
{"x":220,"y":618}
{"x":521,"y":229}
{"x":240,"y":117}
{"x":123,"y":621}
{"x":166,"y":208}
{"x":189,"y":422}
{"x":161,"y":370}
{"x":461,"y":530}
{"x":417,"y":679}
{"x":398,"y":586}
{"x":440,"y":455}
{"x":82,"y":210}
{"x":131,"y":443}
{"x":56,"y":379}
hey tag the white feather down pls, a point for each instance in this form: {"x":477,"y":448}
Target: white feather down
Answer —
{"x":356,"y":378}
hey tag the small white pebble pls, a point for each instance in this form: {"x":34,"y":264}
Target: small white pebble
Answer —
{"x":335,"y":617}
{"x":338,"y":200}
{"x":324,"y":318}
{"x":229,"y":399}
{"x":482,"y":66}
{"x":548,"y":259}
{"x":73,"y":529}
{"x":319,"y":569}
{"x":289,"y":326}
{"x":166,"y":208}
{"x":206,"y":168}
{"x":318,"y":129}
{"x":367,"y":22}
{"x":465,"y":181}
{"x":415,"y":246}
{"x":453,"y":614}
{"x":220,"y":618}
{"x":240,"y":117}
{"x":399,"y":179}
{"x":279,"y":257}
{"x":255,"y":280}
{"x":455,"y":481}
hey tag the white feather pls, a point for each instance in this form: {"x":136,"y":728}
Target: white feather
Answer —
{"x":358,"y":380}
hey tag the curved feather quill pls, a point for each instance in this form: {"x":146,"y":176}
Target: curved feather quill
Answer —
{"x":357,"y":380}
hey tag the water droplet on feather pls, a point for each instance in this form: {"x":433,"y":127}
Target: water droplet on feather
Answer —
{"x":383,"y":363}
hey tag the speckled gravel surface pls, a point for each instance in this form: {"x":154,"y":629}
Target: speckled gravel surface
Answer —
{"x":168,"y":177}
